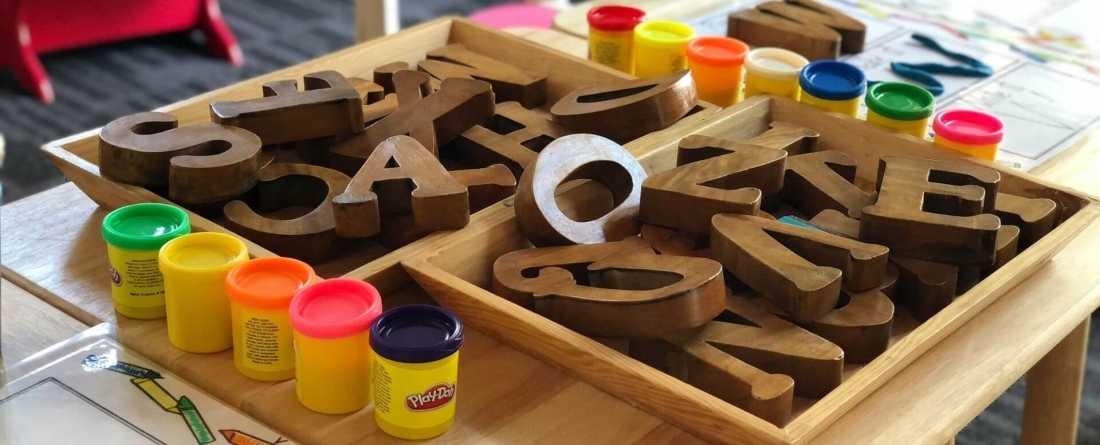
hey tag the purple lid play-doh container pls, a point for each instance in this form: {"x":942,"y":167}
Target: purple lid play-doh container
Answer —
{"x":416,"y":333}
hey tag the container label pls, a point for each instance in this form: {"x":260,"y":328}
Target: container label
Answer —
{"x":418,"y":395}
{"x":612,"y":49}
{"x":438,"y":395}
{"x":135,"y":277}
{"x":268,"y":343}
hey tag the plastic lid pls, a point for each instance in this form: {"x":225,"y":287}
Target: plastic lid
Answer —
{"x":335,"y":308}
{"x":416,"y":333}
{"x":969,"y":127}
{"x":832,"y":80}
{"x":900,"y":101}
{"x":717,"y":51}
{"x":776,"y":63}
{"x":615,"y":18}
{"x":268,"y":282}
{"x":145,"y":226}
{"x":202,"y":252}
{"x":663,"y":33}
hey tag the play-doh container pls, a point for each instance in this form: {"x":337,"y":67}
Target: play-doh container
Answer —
{"x":194,"y":268}
{"x":611,"y":36}
{"x":331,"y":321}
{"x":134,"y":236}
{"x":903,"y":107}
{"x":773,"y":71}
{"x":415,"y":370}
{"x":259,"y":293}
{"x":969,"y":131}
{"x":716,"y":64}
{"x":832,"y":86}
{"x":660,"y":48}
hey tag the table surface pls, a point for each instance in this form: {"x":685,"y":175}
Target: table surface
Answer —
{"x":52,"y":249}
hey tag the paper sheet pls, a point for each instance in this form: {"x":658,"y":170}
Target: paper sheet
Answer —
{"x":1044,"y":110}
{"x":91,"y":390}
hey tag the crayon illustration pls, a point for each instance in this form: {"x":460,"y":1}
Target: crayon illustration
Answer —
{"x":236,"y":437}
{"x":110,"y":363}
{"x":157,"y":393}
{"x":195,"y":421}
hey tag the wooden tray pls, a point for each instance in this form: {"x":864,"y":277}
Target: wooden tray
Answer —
{"x":459,"y":272}
{"x":77,"y":156}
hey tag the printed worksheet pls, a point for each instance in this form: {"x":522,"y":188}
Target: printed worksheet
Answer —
{"x":91,"y":390}
{"x":875,"y":61}
{"x":1044,"y":110}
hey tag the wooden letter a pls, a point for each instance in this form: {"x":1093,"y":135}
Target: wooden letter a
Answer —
{"x":436,"y":200}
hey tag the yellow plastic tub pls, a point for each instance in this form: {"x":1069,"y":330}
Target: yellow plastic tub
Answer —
{"x":331,"y":321}
{"x":773,"y":71}
{"x":969,"y":131}
{"x":134,"y":236}
{"x":611,"y":36}
{"x":716,"y":64}
{"x":259,"y":293}
{"x":416,"y":370}
{"x":902,"y":107}
{"x":832,"y":86}
{"x":194,"y":268}
{"x":660,"y":48}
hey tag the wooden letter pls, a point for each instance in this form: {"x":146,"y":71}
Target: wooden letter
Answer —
{"x":457,"y":106}
{"x":487,"y":186}
{"x":579,"y":156}
{"x":748,"y":358}
{"x":329,"y":106}
{"x":668,"y":241}
{"x":791,"y":138}
{"x":624,"y":111}
{"x":806,"y":27}
{"x":798,"y":269}
{"x":934,"y":210}
{"x":1008,"y":238}
{"x":200,"y":164}
{"x":618,"y":289}
{"x":377,"y":104}
{"x":687,"y":196}
{"x":509,"y":83}
{"x":1034,"y":216}
{"x":436,"y":200}
{"x":860,"y":324}
{"x":513,"y":137}
{"x":824,"y":180}
{"x":925,"y":287}
{"x":311,"y":236}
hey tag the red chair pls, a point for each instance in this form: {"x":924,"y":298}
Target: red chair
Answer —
{"x":31,"y":27}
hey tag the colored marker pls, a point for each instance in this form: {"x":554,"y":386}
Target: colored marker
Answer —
{"x":194,"y":421}
{"x":158,"y":394}
{"x":236,"y":437}
{"x":108,"y":362}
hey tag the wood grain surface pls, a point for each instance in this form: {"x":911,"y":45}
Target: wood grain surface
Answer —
{"x":29,"y":325}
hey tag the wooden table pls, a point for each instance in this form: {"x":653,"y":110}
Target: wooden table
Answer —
{"x":52,"y":249}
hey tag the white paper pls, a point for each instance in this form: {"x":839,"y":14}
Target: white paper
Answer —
{"x":90,"y":390}
{"x":1044,"y":110}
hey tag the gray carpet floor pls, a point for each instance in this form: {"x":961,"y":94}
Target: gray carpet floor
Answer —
{"x":96,"y":85}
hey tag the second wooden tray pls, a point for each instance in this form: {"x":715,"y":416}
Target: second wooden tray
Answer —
{"x":457,"y":273}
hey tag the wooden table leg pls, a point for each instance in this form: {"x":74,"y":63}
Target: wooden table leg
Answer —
{"x":1054,"y":392}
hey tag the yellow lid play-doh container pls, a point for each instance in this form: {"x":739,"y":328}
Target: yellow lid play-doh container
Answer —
{"x":194,"y":268}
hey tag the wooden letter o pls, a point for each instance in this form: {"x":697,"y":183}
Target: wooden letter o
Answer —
{"x":579,"y":156}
